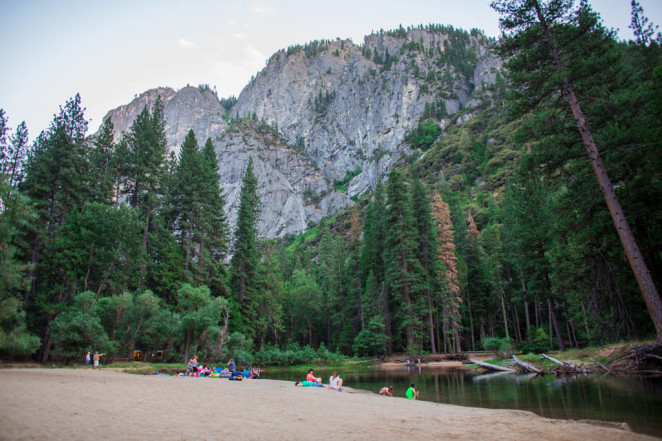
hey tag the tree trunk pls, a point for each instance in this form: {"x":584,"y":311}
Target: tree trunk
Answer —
{"x":492,"y":367}
{"x":527,"y":366}
{"x":518,"y":332}
{"x":471,"y":321}
{"x":32,"y":268}
{"x":637,"y":263}
{"x":555,"y":323}
{"x":433,"y":348}
{"x":503,"y":311}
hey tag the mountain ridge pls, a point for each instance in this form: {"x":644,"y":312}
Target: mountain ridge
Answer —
{"x":346,"y":107}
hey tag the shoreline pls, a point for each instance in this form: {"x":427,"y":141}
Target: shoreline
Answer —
{"x":40,"y":404}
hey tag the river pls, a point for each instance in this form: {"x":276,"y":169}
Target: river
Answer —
{"x":634,"y":400}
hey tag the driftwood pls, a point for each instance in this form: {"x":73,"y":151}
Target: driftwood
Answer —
{"x":527,"y":367}
{"x":565,"y":367}
{"x":641,"y":360}
{"x":601,"y":365}
{"x":492,"y":367}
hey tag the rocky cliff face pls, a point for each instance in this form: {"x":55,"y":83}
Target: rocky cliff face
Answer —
{"x":293,"y":192}
{"x":336,"y":108}
{"x":350,"y":107}
{"x":196,"y":108}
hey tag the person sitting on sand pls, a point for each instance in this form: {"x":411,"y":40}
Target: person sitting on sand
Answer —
{"x":412,"y":393}
{"x":386,"y":391}
{"x":335,"y":382}
{"x":311,"y":377}
{"x":310,"y":384}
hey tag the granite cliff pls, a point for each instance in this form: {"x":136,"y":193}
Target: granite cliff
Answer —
{"x":328,"y":111}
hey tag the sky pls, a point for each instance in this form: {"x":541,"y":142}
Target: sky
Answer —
{"x":111,"y":51}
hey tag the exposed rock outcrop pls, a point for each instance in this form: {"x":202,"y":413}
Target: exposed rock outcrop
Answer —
{"x":337,"y":107}
{"x":196,"y":108}
{"x":293,"y":193}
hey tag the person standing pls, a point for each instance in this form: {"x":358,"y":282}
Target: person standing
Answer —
{"x":87,"y":360}
{"x":231,"y":365}
{"x":97,"y":356}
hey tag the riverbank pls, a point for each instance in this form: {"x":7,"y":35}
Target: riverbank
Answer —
{"x":79,"y":404}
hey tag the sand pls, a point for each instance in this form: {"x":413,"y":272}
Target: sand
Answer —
{"x":79,"y":404}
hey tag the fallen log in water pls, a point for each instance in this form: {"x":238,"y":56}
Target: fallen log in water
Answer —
{"x":492,"y":367}
{"x":601,"y":365}
{"x":565,"y":367}
{"x":527,"y":367}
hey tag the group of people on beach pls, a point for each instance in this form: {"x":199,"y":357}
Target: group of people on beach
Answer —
{"x":193,"y":370}
{"x":335,"y":382}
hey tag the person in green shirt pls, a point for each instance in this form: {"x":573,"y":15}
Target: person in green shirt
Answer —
{"x":412,"y":393}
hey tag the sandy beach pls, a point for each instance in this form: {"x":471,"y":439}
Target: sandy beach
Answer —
{"x":78,"y":404}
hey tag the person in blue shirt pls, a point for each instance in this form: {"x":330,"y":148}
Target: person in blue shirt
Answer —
{"x":231,"y":365}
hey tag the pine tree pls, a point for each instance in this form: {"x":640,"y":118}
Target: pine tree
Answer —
{"x":269,"y":308}
{"x":448,"y":282}
{"x":426,"y":255}
{"x":13,"y":154}
{"x":554,"y":47}
{"x":186,"y":199}
{"x":403,"y":270}
{"x":372,"y":261}
{"x":57,"y":180}
{"x":245,"y":258}
{"x":213,"y":237}
{"x":102,"y":161}
{"x":143,"y":170}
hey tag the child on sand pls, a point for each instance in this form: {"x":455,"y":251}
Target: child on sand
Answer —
{"x":386,"y":391}
{"x":412,"y":393}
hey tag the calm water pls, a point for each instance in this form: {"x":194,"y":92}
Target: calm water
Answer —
{"x":635,"y":400}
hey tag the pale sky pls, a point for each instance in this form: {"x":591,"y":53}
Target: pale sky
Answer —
{"x":110,"y":51}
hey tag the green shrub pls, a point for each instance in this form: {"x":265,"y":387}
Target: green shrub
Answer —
{"x":295,"y":355}
{"x":500,"y":346}
{"x":372,"y":340}
{"x":539,"y":341}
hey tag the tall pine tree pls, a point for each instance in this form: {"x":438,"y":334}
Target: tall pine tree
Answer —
{"x":245,"y":257}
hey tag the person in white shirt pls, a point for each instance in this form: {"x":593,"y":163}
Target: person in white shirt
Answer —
{"x":335,"y":382}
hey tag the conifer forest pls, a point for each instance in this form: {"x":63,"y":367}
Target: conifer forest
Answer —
{"x":536,"y":223}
